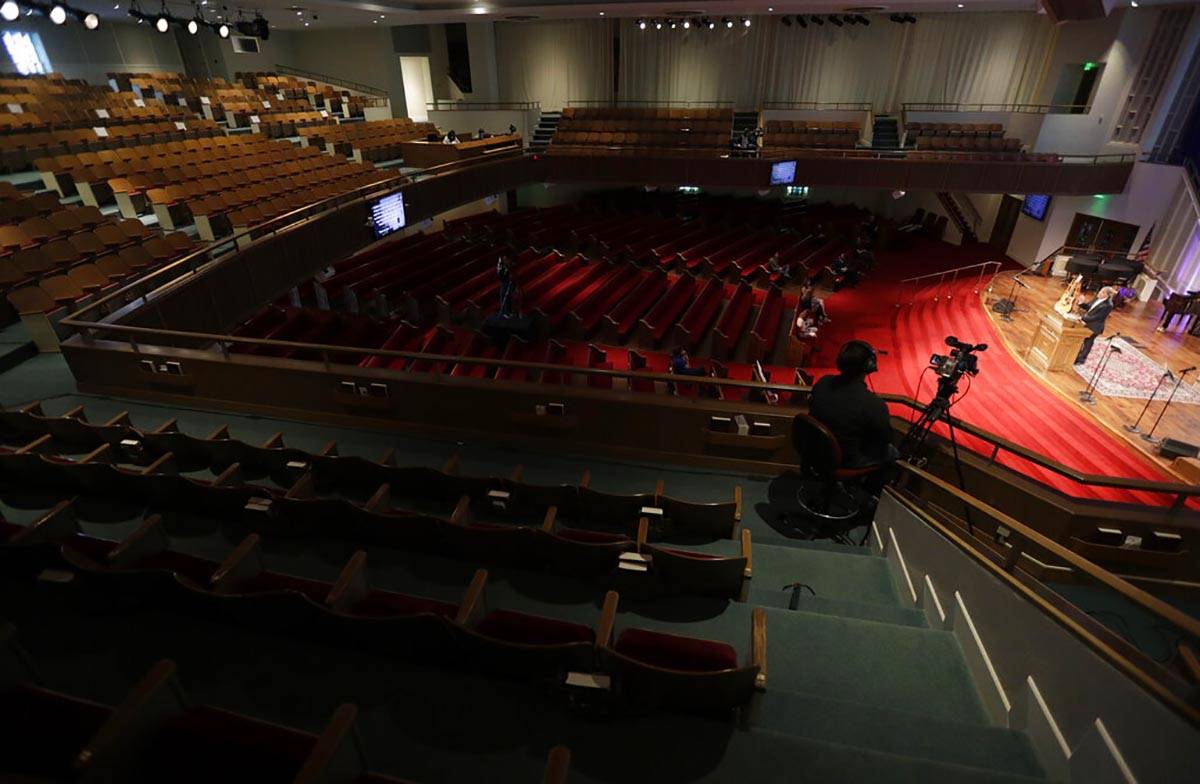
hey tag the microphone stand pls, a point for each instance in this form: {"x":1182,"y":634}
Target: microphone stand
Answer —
{"x":1086,"y":394}
{"x":1179,"y":380}
{"x":1011,"y":299}
{"x":1134,"y":427}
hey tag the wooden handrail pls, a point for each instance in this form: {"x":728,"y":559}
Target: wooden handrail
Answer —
{"x":999,"y":442}
{"x":1150,"y":603}
{"x":1091,"y":632}
{"x":1011,"y":108}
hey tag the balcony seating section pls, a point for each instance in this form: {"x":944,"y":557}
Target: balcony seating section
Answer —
{"x":800,"y":134}
{"x":338,"y":101}
{"x":962,"y":137}
{"x":374,"y":141}
{"x":53,"y":255}
{"x":657,"y":128}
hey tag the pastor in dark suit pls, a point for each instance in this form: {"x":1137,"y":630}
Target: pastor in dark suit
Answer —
{"x":1093,"y":316}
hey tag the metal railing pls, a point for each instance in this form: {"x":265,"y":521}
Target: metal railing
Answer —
{"x":1072,"y":250}
{"x":946,"y":279}
{"x":1010,"y":108}
{"x":954,"y":155}
{"x":482,"y":106}
{"x":336,"y":81}
{"x":617,"y":103}
{"x":819,"y":106}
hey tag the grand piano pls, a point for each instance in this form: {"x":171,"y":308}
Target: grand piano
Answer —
{"x":1100,"y":271}
{"x":1182,"y":306}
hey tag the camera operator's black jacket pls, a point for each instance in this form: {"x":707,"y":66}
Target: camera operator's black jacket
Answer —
{"x":857,"y":417}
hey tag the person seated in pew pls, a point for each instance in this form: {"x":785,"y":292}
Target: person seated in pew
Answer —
{"x":863,"y":255}
{"x":451,"y":137}
{"x":681,"y":363}
{"x":776,"y":267}
{"x":842,"y":273}
{"x":481,"y":134}
{"x":857,"y":417}
{"x":811,"y":308}
{"x":512,"y":130}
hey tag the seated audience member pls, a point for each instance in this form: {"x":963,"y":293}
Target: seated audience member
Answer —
{"x":863,"y":254}
{"x":777,"y":267}
{"x":451,"y":137}
{"x":843,"y":273}
{"x":855,"y":415}
{"x":512,"y":129}
{"x":481,"y":134}
{"x":869,"y":231}
{"x":681,"y":363}
{"x":811,"y":308}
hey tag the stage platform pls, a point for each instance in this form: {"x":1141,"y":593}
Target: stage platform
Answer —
{"x":1137,"y":322}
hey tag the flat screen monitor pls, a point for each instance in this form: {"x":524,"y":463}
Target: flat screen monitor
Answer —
{"x":387,"y":214}
{"x":1035,"y":205}
{"x":783,"y":172}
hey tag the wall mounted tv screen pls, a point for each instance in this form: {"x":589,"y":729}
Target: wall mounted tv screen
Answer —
{"x":783,"y":172}
{"x":387,"y":214}
{"x":1035,"y":205}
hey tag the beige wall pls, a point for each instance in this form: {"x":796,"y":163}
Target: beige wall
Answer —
{"x":78,"y":53}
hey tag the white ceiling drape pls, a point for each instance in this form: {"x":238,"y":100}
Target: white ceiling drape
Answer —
{"x":961,"y":58}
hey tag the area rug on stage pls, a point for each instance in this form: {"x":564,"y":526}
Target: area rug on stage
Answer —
{"x":1130,"y":373}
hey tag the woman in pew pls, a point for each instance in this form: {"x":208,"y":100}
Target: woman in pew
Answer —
{"x":681,"y":363}
{"x":782,"y":272}
{"x":811,"y":309}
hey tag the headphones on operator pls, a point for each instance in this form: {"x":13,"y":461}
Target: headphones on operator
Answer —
{"x":857,"y":357}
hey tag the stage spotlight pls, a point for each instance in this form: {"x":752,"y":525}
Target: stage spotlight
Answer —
{"x":223,"y":30}
{"x":641,"y":24}
{"x":657,"y":24}
{"x":686,"y":24}
{"x":864,"y":21}
{"x":850,"y":20}
{"x":897,"y":18}
{"x":91,"y":21}
{"x":786,"y":20}
{"x":835,"y":21}
{"x":58,"y":14}
{"x":671,"y":23}
{"x":162,"y":24}
{"x":727,"y":22}
{"x":10,"y":11}
{"x":193,"y":26}
{"x":818,"y":21}
{"x":710,"y":24}
{"x":745,"y":21}
{"x":910,"y":19}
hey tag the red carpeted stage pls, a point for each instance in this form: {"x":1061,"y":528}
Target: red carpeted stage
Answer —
{"x":1005,"y":398}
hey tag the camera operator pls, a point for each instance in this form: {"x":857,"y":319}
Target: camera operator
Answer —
{"x":856,"y":416}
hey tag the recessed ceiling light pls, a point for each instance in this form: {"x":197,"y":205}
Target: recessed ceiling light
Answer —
{"x":602,"y":13}
{"x":960,"y":5}
{"x":770,"y":9}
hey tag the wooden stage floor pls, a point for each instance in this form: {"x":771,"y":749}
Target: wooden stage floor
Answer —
{"x":1137,"y":320}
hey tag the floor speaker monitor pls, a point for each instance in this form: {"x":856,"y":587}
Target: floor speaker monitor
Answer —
{"x":1172,"y":448}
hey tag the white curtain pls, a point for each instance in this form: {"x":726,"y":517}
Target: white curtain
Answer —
{"x":555,"y":62}
{"x":962,"y":58}
{"x":975,"y":58}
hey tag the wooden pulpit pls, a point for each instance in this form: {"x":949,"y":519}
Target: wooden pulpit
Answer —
{"x":1056,"y":342}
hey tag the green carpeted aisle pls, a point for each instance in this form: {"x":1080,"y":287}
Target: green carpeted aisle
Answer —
{"x":859,"y":688}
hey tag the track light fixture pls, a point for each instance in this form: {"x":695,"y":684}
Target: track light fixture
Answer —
{"x":671,"y":23}
{"x":800,"y":21}
{"x":641,"y":24}
{"x":686,"y":24}
{"x":58,"y":14}
{"x":745,"y":21}
{"x":864,"y":21}
{"x":657,"y":24}
{"x":786,"y":21}
{"x":903,"y":18}
{"x":222,"y":30}
{"x":9,"y":11}
{"x":727,"y":22}
{"x":818,"y":21}
{"x":708,"y":24}
{"x":833,"y":20}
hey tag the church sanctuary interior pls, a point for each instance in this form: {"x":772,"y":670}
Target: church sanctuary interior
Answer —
{"x":631,"y":392}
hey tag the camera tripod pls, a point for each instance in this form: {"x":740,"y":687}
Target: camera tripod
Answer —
{"x":935,"y":411}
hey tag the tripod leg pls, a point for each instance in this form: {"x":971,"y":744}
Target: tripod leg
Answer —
{"x":962,"y":484}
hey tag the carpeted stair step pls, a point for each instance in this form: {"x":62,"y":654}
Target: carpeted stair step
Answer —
{"x":882,"y":664}
{"x":811,"y":760}
{"x":769,"y":596}
{"x":832,"y":575}
{"x":897,"y":732}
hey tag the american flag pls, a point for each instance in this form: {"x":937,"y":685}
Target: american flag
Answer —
{"x":1143,"y":255}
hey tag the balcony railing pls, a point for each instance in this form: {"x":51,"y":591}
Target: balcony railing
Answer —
{"x":482,"y":106}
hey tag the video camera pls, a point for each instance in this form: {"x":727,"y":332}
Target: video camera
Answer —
{"x":961,"y":359}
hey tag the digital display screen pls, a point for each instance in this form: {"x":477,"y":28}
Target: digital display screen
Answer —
{"x":1035,"y":205}
{"x":783,"y":172}
{"x":387,"y":214}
